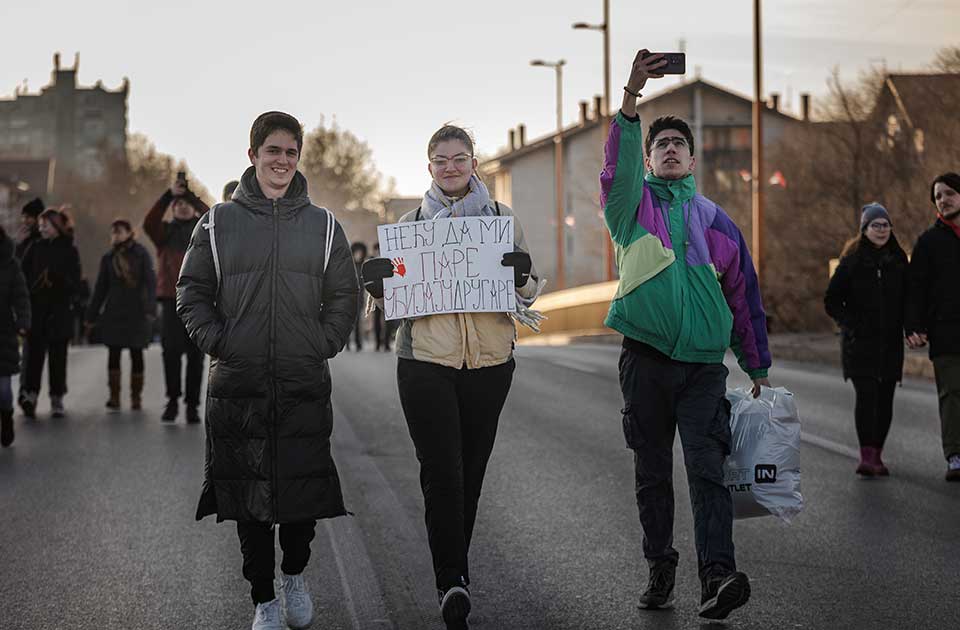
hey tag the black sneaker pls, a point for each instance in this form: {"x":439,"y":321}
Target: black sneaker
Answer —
{"x":170,"y":411}
{"x":724,"y":593}
{"x":454,"y":607}
{"x":28,"y":402}
{"x":193,"y":416}
{"x":659,"y":593}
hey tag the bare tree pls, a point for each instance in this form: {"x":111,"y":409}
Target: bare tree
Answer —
{"x":339,"y":169}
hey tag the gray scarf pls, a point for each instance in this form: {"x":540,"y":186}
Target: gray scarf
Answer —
{"x":476,"y":203}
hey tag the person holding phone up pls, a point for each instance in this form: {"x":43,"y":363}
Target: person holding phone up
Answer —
{"x":687,"y":292}
{"x":171,"y":239}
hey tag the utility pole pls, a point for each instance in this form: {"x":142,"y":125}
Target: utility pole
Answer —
{"x":561,"y":279}
{"x":603,"y":114}
{"x":756,"y":180}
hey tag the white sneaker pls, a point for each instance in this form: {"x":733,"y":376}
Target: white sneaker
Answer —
{"x":268,"y":616}
{"x":953,"y":468}
{"x":297,"y":606}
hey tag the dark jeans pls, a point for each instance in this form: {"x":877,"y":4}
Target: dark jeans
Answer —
{"x":136,"y":359}
{"x":661,"y":396}
{"x":39,"y":347}
{"x":452,"y":416}
{"x":176,"y":343}
{"x":946,"y":368}
{"x":874,"y":410}
{"x":256,"y":545}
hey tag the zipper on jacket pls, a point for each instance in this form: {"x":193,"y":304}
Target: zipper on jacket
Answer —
{"x":273,"y":359}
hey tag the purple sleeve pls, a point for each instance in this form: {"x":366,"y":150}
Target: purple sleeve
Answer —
{"x":738,"y":281}
{"x":621,"y":181}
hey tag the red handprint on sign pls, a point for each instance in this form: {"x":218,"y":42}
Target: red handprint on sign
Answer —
{"x":398,"y":267}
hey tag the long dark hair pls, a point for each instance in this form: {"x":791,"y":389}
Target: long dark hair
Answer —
{"x":858,"y":243}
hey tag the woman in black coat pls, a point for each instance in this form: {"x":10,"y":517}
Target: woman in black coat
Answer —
{"x":122,"y":308}
{"x":14,"y":320}
{"x":52,"y":269}
{"x":866,"y":298}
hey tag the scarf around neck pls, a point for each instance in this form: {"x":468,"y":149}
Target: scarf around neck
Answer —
{"x":438,"y":205}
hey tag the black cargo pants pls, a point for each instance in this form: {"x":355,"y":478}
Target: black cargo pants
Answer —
{"x":661,"y":396}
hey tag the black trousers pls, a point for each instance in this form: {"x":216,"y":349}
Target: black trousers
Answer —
{"x":381,"y":332}
{"x":136,"y":359}
{"x":38,"y":349}
{"x":256,"y":545}
{"x":874,"y":409}
{"x":452,"y":416}
{"x":662,"y":396}
{"x":176,"y":343}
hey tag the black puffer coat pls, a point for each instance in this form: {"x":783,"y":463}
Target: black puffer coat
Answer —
{"x":123,"y":301}
{"x":52,"y":269}
{"x":270,"y":329}
{"x":866,"y":298}
{"x":933,"y":294}
{"x":14,"y":308}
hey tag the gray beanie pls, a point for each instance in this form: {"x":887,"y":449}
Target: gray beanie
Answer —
{"x":871,"y":212}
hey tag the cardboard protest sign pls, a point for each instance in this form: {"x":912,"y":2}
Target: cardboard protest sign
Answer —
{"x":448,"y":266}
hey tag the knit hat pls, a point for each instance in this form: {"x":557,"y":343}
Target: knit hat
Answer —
{"x":33,"y":208}
{"x":872,"y":212}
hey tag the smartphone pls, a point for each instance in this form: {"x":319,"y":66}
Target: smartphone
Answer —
{"x":676,"y":62}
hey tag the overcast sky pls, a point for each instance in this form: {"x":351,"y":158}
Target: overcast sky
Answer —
{"x":392,"y":73}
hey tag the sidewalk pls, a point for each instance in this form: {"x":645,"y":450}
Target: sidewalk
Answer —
{"x":821,"y":348}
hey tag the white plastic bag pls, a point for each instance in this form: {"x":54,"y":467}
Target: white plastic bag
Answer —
{"x":763,"y":468}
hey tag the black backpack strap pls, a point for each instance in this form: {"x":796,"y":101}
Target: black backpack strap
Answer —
{"x":417,"y":218}
{"x":497,"y":205}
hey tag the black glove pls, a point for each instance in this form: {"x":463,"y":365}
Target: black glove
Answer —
{"x":372,"y":273}
{"x":520,"y":261}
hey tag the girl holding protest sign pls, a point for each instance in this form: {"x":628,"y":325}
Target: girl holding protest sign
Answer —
{"x":454,"y":371}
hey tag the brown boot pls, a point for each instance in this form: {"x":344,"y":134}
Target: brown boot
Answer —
{"x":113,"y":379}
{"x":136,"y":388}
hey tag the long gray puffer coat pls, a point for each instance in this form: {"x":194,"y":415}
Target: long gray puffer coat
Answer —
{"x":270,"y":329}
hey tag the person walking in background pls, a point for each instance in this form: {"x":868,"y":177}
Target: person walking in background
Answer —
{"x":866,"y":298}
{"x":382,"y":329}
{"x":171,"y":239}
{"x":933,"y":308}
{"x":454,"y":373}
{"x":14,"y":321}
{"x":269,"y":291}
{"x":359,"y":252}
{"x":122,"y":309}
{"x":29,"y":232}
{"x":228,"y":189}
{"x":687,"y":292}
{"x":52,"y":270}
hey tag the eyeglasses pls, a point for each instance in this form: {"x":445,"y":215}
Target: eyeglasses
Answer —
{"x":461,"y":161}
{"x":879,"y":225}
{"x":677,"y":141}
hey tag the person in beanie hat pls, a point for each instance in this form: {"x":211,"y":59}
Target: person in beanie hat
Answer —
{"x":28,"y":234}
{"x":14,"y":320}
{"x":52,"y":270}
{"x":933,"y":308}
{"x":122,"y":308}
{"x":865,"y":297}
{"x":171,"y":238}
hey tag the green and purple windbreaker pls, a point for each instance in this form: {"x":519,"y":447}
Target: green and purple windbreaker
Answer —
{"x":687,"y":283}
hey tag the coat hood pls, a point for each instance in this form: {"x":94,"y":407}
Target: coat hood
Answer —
{"x":249,"y":194}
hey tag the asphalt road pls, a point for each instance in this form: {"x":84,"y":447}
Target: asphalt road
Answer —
{"x":97,"y":524}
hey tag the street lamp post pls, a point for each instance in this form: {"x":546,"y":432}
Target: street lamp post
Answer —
{"x":604,"y":109}
{"x":558,"y":168}
{"x":757,"y":141}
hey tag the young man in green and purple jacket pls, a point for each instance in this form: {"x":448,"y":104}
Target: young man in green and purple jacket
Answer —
{"x":688,"y":291}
